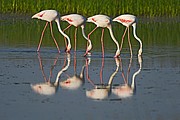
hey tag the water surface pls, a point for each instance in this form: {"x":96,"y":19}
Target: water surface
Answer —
{"x":157,"y":85}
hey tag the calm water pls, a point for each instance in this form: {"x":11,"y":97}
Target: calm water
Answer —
{"x":24,"y":72}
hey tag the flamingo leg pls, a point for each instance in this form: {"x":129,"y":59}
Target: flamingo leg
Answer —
{"x":54,"y":38}
{"x":130,"y":47}
{"x":89,"y":38}
{"x":102,"y":43}
{"x":41,"y":67}
{"x":75,"y":62}
{"x":101,"y":71}
{"x":52,"y":67}
{"x":123,"y":39}
{"x":125,"y":80}
{"x":65,"y":37}
{"x":122,"y":73}
{"x":87,"y":73}
{"x":92,"y":32}
{"x":75,"y":39}
{"x":42,"y":37}
{"x":129,"y":68}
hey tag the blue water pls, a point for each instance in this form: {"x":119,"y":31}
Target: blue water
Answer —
{"x":156,"y":95}
{"x":157,"y":74}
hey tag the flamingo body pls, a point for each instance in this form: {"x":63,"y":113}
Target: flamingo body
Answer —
{"x":100,"y":20}
{"x":44,"y":88}
{"x":124,"y":91}
{"x":129,"y":20}
{"x":49,"y":16}
{"x":77,"y":20}
{"x":72,"y":83}
{"x":104,"y":22}
{"x":74,"y":19}
{"x":97,"y":94}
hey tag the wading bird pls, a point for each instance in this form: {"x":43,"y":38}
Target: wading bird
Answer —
{"x":127,"y":90}
{"x":102,"y":91}
{"x":77,"y":20}
{"x":129,"y":20}
{"x":49,"y":16}
{"x":76,"y":81}
{"x":104,"y":22}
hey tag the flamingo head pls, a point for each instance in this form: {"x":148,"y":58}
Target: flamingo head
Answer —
{"x":63,"y":18}
{"x":68,"y":48}
{"x":88,"y":50}
{"x":89,"y":47}
{"x":140,"y":52}
{"x":117,"y":54}
{"x":92,"y":20}
{"x":116,"y":19}
{"x":89,"y":19}
{"x":37,"y":15}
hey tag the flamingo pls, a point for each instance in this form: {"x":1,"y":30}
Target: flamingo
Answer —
{"x":129,"y":20}
{"x":127,"y":90}
{"x":47,"y":87}
{"x":104,"y":22}
{"x":76,"y":81}
{"x":49,"y":16}
{"x":77,"y":20}
{"x":102,"y":91}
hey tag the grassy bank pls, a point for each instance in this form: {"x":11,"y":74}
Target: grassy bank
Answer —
{"x":150,"y":8}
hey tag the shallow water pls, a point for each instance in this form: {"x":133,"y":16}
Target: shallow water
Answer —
{"x":157,"y":84}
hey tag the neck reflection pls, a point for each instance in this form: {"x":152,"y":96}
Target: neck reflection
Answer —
{"x":76,"y":81}
{"x":127,"y":90}
{"x":47,"y":87}
{"x":101,"y":91}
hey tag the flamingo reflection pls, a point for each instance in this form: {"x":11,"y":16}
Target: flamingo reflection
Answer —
{"x":102,"y":91}
{"x":75,"y":81}
{"x":127,"y":90}
{"x":48,"y":87}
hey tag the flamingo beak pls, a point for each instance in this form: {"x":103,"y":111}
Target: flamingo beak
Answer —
{"x":114,"y":20}
{"x":67,"y":50}
{"x":62,"y":18}
{"x":88,"y":20}
{"x":35,"y":16}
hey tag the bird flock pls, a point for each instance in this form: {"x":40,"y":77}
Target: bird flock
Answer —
{"x":77,"y":20}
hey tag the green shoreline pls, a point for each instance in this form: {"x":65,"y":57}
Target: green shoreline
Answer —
{"x":152,"y":8}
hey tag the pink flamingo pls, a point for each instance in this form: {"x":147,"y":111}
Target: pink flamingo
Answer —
{"x":49,"y":16}
{"x":127,"y":90}
{"x":129,"y":20}
{"x":76,"y":81}
{"x":104,"y":22}
{"x":47,"y":87}
{"x":101,"y":91}
{"x":77,"y":20}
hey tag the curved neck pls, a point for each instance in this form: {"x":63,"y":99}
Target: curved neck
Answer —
{"x":82,"y":72}
{"x":114,"y":39}
{"x":137,"y":72}
{"x":140,"y":42}
{"x":112,"y":76}
{"x":89,"y":41}
{"x":64,"y":69}
{"x":59,"y":28}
